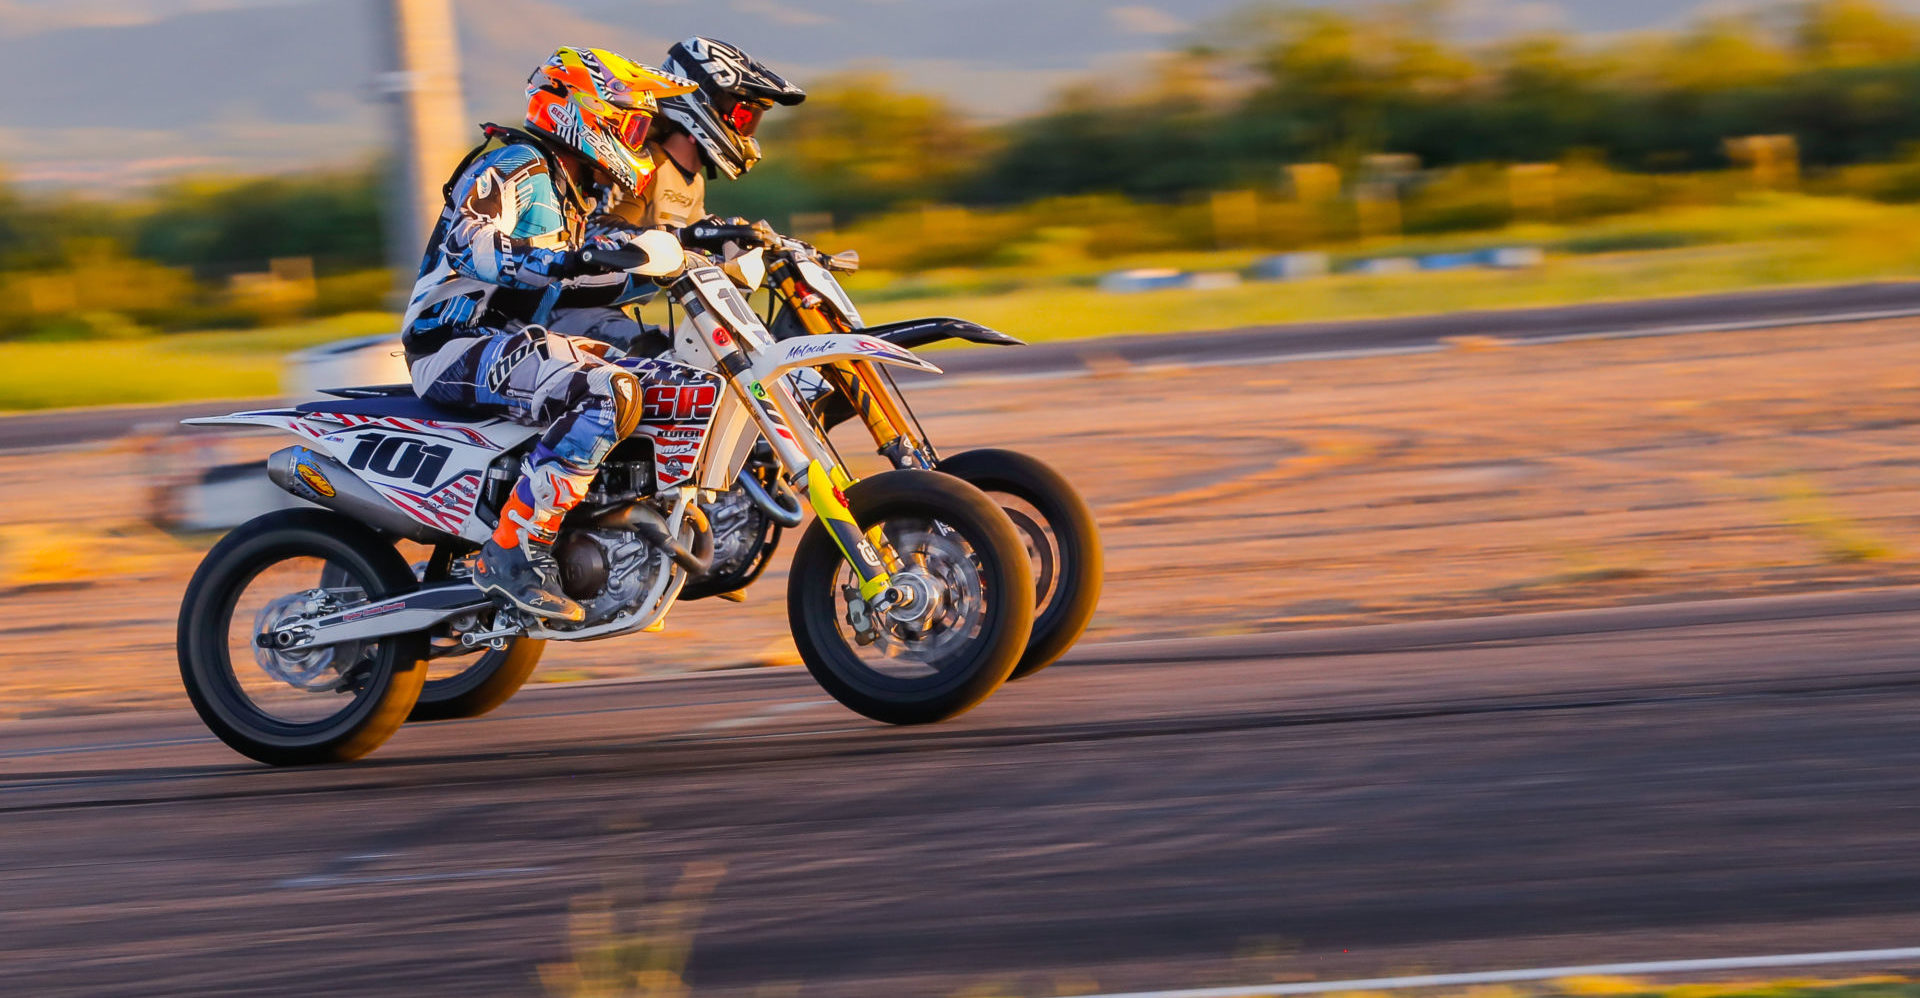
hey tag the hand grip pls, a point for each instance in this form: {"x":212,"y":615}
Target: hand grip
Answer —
{"x":613,"y":259}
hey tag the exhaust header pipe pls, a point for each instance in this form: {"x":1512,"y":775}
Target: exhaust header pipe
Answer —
{"x":650,"y":525}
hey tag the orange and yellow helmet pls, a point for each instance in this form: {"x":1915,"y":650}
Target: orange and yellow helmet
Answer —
{"x":601,"y":104}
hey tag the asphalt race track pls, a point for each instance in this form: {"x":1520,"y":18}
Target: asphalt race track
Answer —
{"x":1691,"y":781}
{"x":1620,"y":785}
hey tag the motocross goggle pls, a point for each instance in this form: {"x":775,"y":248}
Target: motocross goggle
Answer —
{"x":630,"y":126}
{"x":743,"y":115}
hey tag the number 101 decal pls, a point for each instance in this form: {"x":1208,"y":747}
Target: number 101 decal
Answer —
{"x":399,"y":457}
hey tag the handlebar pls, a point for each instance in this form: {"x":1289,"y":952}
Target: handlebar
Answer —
{"x":629,"y":259}
{"x":845,"y":261}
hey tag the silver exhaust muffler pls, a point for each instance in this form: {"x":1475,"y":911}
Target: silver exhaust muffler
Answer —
{"x":323,"y":481}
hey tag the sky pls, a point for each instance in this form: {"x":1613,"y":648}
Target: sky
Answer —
{"x":119,"y":93}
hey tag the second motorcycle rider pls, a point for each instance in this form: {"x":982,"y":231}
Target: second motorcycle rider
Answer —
{"x":706,"y":133}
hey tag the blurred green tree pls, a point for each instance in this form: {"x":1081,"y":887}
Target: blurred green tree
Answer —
{"x":1617,"y":123}
{"x":224,"y":225}
{"x":1839,"y":33}
{"x":859,"y":144}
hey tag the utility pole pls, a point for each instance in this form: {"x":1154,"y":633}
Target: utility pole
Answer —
{"x":430,"y":127}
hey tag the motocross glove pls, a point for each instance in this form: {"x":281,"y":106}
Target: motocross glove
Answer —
{"x":574,"y":266}
{"x":728,"y":236}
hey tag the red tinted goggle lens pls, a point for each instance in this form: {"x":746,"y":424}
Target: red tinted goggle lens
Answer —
{"x":745,"y":117}
{"x":633,"y":131}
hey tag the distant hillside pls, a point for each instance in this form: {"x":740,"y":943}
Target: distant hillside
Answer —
{"x":117,"y":92}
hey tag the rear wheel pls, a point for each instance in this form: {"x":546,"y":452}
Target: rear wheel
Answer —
{"x":1061,"y":540}
{"x":290,"y":707}
{"x":950,"y":649}
{"x":473,"y":685}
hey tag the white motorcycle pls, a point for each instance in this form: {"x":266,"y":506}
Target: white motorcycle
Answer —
{"x":304,"y":635}
{"x":806,"y":299}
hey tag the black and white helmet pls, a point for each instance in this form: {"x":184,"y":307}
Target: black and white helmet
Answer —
{"x":724,"y":113}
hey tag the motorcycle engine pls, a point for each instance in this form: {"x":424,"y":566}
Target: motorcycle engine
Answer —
{"x":737,"y":526}
{"x":606,"y":570}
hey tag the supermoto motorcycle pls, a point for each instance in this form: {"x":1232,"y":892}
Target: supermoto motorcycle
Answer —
{"x":806,"y":299}
{"x":304,"y":634}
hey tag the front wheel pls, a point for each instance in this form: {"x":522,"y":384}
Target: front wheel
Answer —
{"x":289,"y":707}
{"x":1061,"y":540}
{"x":947,"y":651}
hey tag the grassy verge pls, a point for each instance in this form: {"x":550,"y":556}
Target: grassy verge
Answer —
{"x":173,"y":368}
{"x":1768,"y":244}
{"x":1768,"y":241}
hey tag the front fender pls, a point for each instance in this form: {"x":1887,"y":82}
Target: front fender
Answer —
{"x":819,"y":351}
{"x":912,"y":333}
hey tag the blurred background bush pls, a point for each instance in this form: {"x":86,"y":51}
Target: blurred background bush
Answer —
{"x":1277,"y":128}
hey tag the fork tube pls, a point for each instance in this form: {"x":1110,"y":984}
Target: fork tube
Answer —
{"x":880,"y":409}
{"x":847,"y":382}
{"x":857,"y":380}
{"x":825,"y":477}
{"x":830,"y":504}
{"x":724,"y":344}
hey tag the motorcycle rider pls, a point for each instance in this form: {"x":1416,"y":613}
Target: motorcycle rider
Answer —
{"x":709,"y":131}
{"x":703,"y":135}
{"x":706,"y":133}
{"x":505,"y":252}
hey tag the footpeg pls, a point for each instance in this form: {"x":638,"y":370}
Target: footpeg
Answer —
{"x":496,"y":638}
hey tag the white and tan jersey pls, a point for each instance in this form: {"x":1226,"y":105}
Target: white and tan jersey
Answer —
{"x":672,"y":199}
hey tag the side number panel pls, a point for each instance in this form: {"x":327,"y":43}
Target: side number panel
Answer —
{"x":411,"y":472}
{"x":676,"y":409}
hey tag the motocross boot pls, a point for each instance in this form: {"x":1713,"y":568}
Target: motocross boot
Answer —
{"x":517,"y":562}
{"x":526,"y":576}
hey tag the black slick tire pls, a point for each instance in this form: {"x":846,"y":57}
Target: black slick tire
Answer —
{"x":1076,"y":590}
{"x":979,"y":668}
{"x":391,"y":684}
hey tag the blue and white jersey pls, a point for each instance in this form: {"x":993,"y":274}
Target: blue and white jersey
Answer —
{"x":505,"y":244}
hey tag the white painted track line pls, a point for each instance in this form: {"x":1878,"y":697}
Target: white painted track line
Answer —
{"x":1534,"y":974}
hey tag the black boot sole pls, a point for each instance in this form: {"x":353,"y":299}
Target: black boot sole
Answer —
{"x":513,"y":601}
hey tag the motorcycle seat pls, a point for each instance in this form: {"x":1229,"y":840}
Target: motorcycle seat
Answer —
{"x":408,"y":406}
{"x":368,"y":391}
